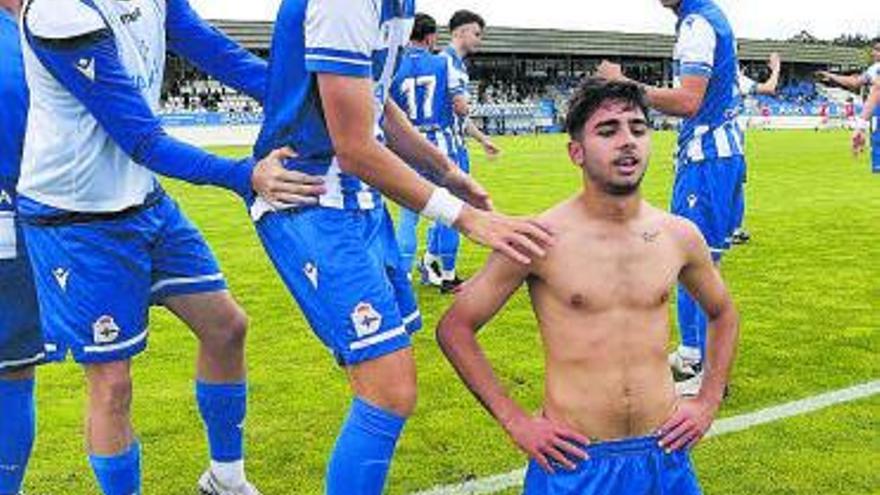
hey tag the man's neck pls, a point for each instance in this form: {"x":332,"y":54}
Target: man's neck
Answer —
{"x":458,"y":49}
{"x":605,"y":206}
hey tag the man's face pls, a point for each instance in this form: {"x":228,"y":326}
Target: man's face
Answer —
{"x":471,"y":37}
{"x":876,"y":52}
{"x":614,"y":148}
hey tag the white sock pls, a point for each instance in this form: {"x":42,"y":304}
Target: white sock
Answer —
{"x":690,"y":353}
{"x":230,"y":474}
{"x":429,"y":259}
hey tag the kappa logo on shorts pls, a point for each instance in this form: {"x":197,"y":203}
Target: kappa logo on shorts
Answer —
{"x":5,"y":198}
{"x":105,"y":330}
{"x":692,"y":200}
{"x":311,"y":273}
{"x":366,"y":319}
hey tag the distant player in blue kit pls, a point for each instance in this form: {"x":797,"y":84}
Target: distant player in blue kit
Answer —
{"x":331,"y":72}
{"x":610,"y":422}
{"x":466,"y":29}
{"x":710,"y":166}
{"x":423,"y":89}
{"x":869,"y":120}
{"x":105,"y":240}
{"x":21,"y":341}
{"x":750,"y":87}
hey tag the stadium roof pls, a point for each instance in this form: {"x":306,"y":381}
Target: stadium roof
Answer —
{"x":549,"y":42}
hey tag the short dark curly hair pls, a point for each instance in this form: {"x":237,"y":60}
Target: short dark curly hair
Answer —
{"x":590,"y":95}
{"x":462,"y":17}
{"x":423,"y":27}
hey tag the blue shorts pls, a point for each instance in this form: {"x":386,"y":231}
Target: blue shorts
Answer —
{"x":96,"y":279}
{"x":706,"y":193}
{"x":635,"y":466}
{"x":21,"y":341}
{"x":342,"y":267}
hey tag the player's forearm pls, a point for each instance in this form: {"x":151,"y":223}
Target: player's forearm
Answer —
{"x":673,"y":101}
{"x":720,"y":349}
{"x":475,"y":132}
{"x":410,"y":145}
{"x":850,"y":82}
{"x":458,"y":342}
{"x":769,"y":86}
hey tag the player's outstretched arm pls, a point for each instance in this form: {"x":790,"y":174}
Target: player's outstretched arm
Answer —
{"x":88,"y":65}
{"x":701,"y":278}
{"x":683,"y":101}
{"x":213,"y":52}
{"x":478,"y":301}
{"x":851,"y":82}
{"x":348,"y":108}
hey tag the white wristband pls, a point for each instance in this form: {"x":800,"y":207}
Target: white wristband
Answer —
{"x":861,"y":124}
{"x":443,"y":207}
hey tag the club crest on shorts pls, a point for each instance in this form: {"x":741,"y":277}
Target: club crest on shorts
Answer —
{"x":366,"y":319}
{"x":692,"y":200}
{"x":105,"y":330}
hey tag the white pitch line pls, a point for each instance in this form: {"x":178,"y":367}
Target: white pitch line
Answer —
{"x":498,"y":482}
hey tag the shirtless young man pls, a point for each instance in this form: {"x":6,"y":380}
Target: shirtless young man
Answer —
{"x":611,"y":422}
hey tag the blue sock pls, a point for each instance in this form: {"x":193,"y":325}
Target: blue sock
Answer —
{"x":223,"y":407}
{"x":17,"y":426}
{"x":691,"y":321}
{"x":363,"y":451}
{"x":119,"y":474}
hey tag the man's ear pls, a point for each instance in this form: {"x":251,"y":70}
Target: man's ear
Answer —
{"x":576,"y":153}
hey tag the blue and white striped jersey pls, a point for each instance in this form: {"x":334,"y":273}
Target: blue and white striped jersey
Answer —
{"x":354,"y":38}
{"x":459,"y":81}
{"x":706,"y":47}
{"x":421,"y":88}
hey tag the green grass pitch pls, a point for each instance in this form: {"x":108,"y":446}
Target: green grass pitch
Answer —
{"x":807,"y":286}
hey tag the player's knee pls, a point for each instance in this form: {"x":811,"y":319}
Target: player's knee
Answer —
{"x":229,"y":328}
{"x":110,"y":390}
{"x":401,"y":398}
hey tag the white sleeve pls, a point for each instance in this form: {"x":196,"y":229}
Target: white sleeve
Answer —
{"x":62,"y":19}
{"x":695,"y":48}
{"x":456,"y":85}
{"x":871,"y":75}
{"x":340,"y":36}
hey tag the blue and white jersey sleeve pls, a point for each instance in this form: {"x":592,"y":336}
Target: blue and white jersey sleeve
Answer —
{"x":457,"y":79}
{"x":213,"y":52}
{"x":872,"y":75}
{"x":695,"y":48}
{"x":89,"y":67}
{"x":340,"y":36}
{"x":747,"y":85}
